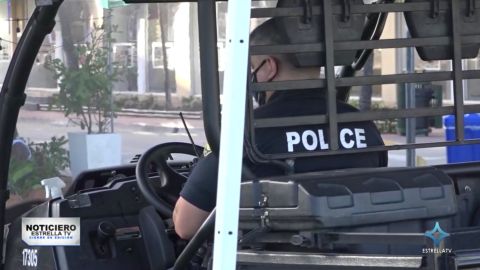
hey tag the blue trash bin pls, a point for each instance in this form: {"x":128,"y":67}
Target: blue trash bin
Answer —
{"x":474,"y":126}
{"x":463,"y":153}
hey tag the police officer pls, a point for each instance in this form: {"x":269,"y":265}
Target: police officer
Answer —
{"x":198,"y":196}
{"x":20,"y":149}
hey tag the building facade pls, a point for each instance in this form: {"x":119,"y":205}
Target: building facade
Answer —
{"x":140,"y":33}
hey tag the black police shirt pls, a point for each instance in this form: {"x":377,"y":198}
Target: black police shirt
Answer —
{"x":201,"y":187}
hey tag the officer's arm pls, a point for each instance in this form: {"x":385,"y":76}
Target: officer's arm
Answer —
{"x":187,"y":218}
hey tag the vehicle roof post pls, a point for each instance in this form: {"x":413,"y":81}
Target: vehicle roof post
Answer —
{"x":209,"y":72}
{"x":232,"y":135}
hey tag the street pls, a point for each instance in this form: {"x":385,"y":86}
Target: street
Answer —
{"x":138,"y":133}
{"x":141,"y":133}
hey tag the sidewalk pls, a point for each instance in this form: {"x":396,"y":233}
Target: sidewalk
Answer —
{"x":424,"y":156}
{"x":170,"y":123}
{"x":436,"y":135}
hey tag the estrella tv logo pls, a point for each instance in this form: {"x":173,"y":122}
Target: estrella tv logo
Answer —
{"x":437,"y":235}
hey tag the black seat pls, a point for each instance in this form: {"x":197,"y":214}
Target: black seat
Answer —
{"x":400,"y":200}
{"x":159,"y":248}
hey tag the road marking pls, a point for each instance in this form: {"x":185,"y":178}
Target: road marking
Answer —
{"x":60,"y":123}
{"x":174,"y":125}
{"x":182,"y":134}
{"x":177,"y":124}
{"x":144,"y":133}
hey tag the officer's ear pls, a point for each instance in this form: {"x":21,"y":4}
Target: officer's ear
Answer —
{"x":271,"y":68}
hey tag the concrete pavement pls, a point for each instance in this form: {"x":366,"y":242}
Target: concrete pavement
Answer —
{"x":143,"y":122}
{"x":425,"y":156}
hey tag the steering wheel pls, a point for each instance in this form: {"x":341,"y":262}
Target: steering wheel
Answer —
{"x":171,"y":181}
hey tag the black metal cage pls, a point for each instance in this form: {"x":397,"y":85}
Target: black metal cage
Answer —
{"x":455,"y":41}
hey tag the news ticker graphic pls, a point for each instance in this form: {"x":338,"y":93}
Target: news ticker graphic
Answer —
{"x":51,"y":231}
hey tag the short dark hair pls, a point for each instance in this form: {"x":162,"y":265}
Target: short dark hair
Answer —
{"x":269,"y":33}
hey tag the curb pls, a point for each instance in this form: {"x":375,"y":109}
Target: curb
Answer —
{"x":173,"y":125}
{"x":128,"y":112}
{"x":163,"y":114}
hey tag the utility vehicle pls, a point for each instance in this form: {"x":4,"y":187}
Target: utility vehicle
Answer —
{"x":367,"y":218}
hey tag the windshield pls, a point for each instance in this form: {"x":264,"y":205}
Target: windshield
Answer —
{"x":148,"y":55}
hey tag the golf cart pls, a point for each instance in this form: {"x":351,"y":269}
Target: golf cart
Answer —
{"x":364,"y":218}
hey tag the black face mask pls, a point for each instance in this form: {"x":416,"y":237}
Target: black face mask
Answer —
{"x":260,"y":97}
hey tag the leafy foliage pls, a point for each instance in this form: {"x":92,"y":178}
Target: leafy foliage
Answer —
{"x":192,"y":103}
{"x":50,"y":157}
{"x":85,"y":91}
{"x":385,"y":125}
{"x":21,"y":178}
{"x":48,"y":160}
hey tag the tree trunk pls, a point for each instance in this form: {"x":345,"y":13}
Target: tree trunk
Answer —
{"x":66,"y":14}
{"x":365,"y":99}
{"x":162,"y":13}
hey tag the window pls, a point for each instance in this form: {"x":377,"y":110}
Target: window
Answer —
{"x":472,"y":87}
{"x":5,"y":52}
{"x":157,"y":55}
{"x":124,"y":54}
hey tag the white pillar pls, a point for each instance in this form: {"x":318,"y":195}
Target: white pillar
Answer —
{"x":58,"y":45}
{"x":388,"y":64}
{"x":142,"y":63}
{"x":195,"y":83}
{"x":181,"y":50}
{"x":231,"y":138}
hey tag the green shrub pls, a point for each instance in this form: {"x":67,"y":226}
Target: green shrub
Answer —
{"x":47,"y":161}
{"x":192,"y":103}
{"x":385,"y":125}
{"x":86,"y":90}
